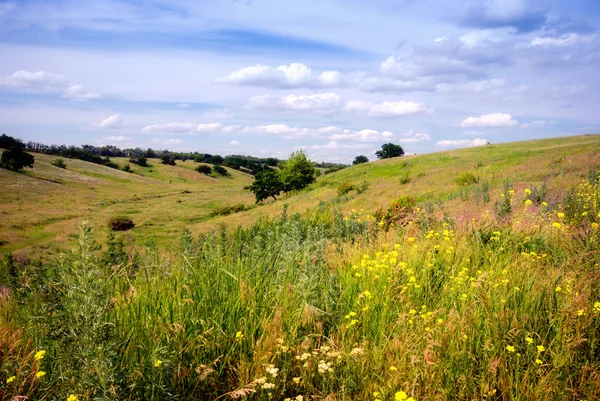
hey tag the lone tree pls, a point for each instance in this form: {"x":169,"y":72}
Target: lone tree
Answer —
{"x":297,"y":172}
{"x":389,"y":150}
{"x":168,"y":160}
{"x":16,"y":158}
{"x":266,"y":184}
{"x":220,"y":170}
{"x":359,"y":160}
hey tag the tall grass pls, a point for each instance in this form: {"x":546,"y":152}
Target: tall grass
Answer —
{"x":323,"y":306}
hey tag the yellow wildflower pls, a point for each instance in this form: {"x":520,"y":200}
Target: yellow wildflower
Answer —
{"x":297,"y":379}
{"x":529,"y":340}
{"x":393,"y":368}
{"x":580,"y":312}
{"x":556,"y":225}
{"x":528,"y":202}
{"x":239,"y":336}
{"x":541,"y":348}
{"x":400,"y":396}
{"x":560,"y":215}
{"x":538,"y":361}
{"x":40,"y":374}
{"x":40,"y":355}
{"x":528,"y":191}
{"x":73,"y":397}
{"x":158,"y":363}
{"x":510,"y":348}
{"x":10,"y":379}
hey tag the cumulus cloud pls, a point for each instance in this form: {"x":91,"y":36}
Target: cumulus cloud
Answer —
{"x":210,"y":127}
{"x":325,"y":103}
{"x":113,"y":122}
{"x":490,"y":120}
{"x":77,"y":92}
{"x":473,"y":86}
{"x":235,"y":143}
{"x":295,"y":75}
{"x":461,"y":143}
{"x":385,"y":109}
{"x":34,"y":80}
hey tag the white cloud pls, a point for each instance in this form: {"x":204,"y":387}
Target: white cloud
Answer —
{"x":184,"y":105}
{"x":564,"y":40}
{"x":473,"y":133}
{"x":116,"y":139}
{"x":113,"y":122}
{"x":170,"y":141}
{"x":390,"y":64}
{"x":535,"y":124}
{"x":217,"y":115}
{"x":235,"y":143}
{"x":77,"y":92}
{"x":34,"y":80}
{"x":473,"y":86}
{"x":440,"y":39}
{"x":294,"y":75}
{"x":335,"y":145}
{"x":210,"y":127}
{"x":365,"y":135}
{"x":172,"y":127}
{"x":386,"y":109}
{"x":489,"y":120}
{"x":414,"y":137}
{"x":461,"y":143}
{"x":325,"y":103}
{"x":390,"y":85}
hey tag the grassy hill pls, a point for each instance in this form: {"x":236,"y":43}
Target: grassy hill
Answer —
{"x":484,"y":291}
{"x":41,"y":208}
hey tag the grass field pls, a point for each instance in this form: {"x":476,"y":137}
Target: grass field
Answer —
{"x":416,"y":288}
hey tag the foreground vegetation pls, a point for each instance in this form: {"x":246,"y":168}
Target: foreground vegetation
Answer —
{"x":387,"y":306}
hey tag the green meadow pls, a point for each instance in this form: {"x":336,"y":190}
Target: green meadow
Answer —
{"x":470,"y":274}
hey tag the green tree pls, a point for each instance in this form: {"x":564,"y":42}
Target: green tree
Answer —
{"x":168,"y":160}
{"x":220,"y":170}
{"x":389,"y":150}
{"x":360,"y":159}
{"x":297,"y":172}
{"x":16,"y":158}
{"x":266,"y":184}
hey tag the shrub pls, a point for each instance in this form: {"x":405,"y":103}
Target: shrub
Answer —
{"x":120,"y":223}
{"x":399,"y":211}
{"x":227,"y":210}
{"x":362,"y":187}
{"x":204,"y":169}
{"x":168,"y":160}
{"x":60,"y":163}
{"x":405,"y":177}
{"x":127,"y":168}
{"x":345,"y":188}
{"x":465,"y":179}
{"x":140,"y":161}
{"x":220,"y":170}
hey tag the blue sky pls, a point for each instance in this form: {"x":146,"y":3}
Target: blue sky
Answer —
{"x":337,"y":78}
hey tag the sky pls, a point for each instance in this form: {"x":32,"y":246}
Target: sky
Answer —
{"x":337,"y":78}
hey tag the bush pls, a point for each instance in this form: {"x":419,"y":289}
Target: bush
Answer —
{"x":168,"y":160}
{"x":220,"y":170}
{"x":362,"y":187}
{"x":204,"y":169}
{"x":127,"y":168}
{"x":466,"y":179}
{"x":60,"y":163}
{"x":120,"y":223}
{"x":405,"y":178}
{"x":140,"y":161}
{"x":345,"y":188}
{"x":16,"y":158}
{"x":227,"y":210}
{"x":399,"y":211}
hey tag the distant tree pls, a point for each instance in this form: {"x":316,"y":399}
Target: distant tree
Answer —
{"x":7,"y":142}
{"x":204,"y":169}
{"x":220,"y":170}
{"x":297,"y":172}
{"x":266,"y":184}
{"x":359,"y":160}
{"x":60,"y":163}
{"x":389,"y":150}
{"x":216,"y":159}
{"x":16,"y":158}
{"x":167,"y":160}
{"x":127,"y":168}
{"x":140,"y":161}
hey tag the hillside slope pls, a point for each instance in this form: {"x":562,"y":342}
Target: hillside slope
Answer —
{"x":43,"y":206}
{"x":558,"y":161}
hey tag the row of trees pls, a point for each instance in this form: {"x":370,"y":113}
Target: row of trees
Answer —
{"x":388,"y":150}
